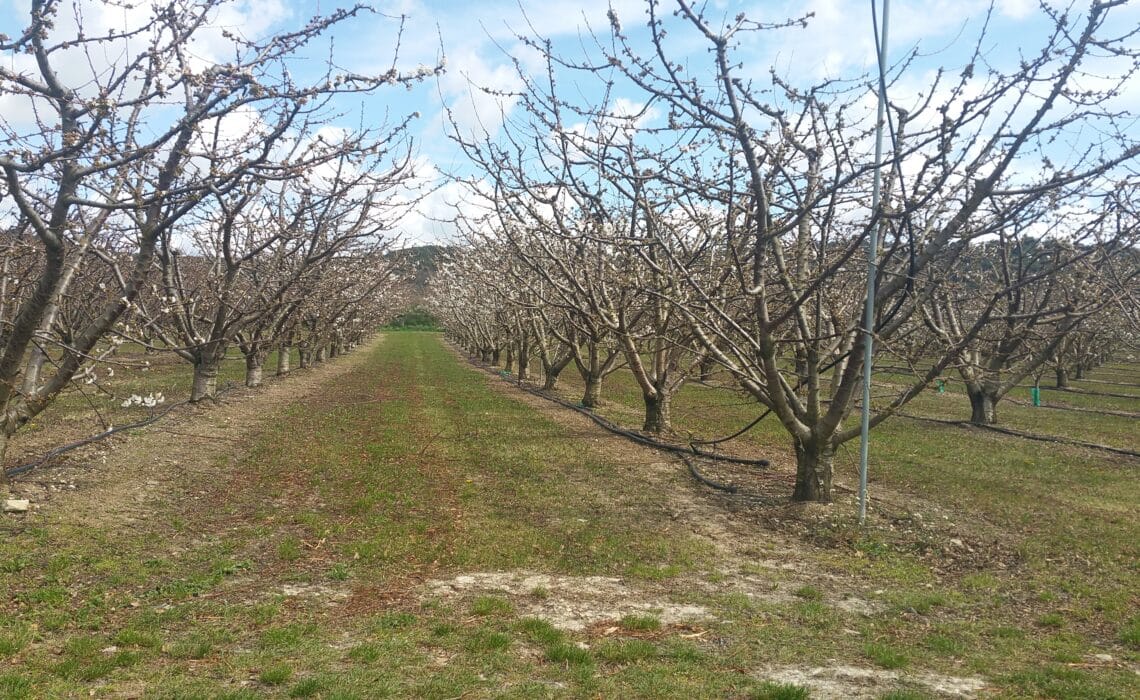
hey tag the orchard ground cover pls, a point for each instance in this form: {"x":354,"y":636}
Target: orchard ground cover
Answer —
{"x":398,"y":523}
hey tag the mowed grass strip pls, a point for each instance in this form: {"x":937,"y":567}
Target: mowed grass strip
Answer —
{"x":413,"y":468}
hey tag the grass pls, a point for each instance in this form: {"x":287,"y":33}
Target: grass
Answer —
{"x":275,"y":675}
{"x":1130,"y":633}
{"x":640,"y":622}
{"x":424,"y":474}
{"x":490,"y":605}
{"x":780,"y":691}
{"x":569,"y":654}
{"x":1050,"y":518}
{"x":885,"y":655}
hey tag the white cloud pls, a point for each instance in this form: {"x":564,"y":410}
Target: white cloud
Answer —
{"x":465,"y":89}
{"x":1017,"y":9}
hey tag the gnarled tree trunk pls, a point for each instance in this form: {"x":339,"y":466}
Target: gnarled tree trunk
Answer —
{"x":983,"y":406}
{"x":550,"y":382}
{"x":253,"y":364}
{"x":813,"y":470}
{"x":592,"y":396}
{"x":708,"y":364}
{"x":3,"y":451}
{"x":657,"y":409}
{"x":552,"y":370}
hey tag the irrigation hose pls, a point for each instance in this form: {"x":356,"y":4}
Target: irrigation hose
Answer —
{"x":696,"y":473}
{"x":52,"y":454}
{"x":685,"y":453}
{"x":1022,"y":434}
{"x":638,"y":437}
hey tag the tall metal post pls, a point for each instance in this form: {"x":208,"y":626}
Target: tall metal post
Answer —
{"x":872,"y":264}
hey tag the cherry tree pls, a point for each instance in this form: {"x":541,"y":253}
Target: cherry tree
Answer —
{"x":1030,"y":297}
{"x":122,"y":148}
{"x":780,"y":175}
{"x":251,"y":250}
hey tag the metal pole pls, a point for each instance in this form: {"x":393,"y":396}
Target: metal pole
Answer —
{"x":872,"y":266}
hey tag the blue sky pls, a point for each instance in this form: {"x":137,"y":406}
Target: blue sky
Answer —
{"x":478,"y":39}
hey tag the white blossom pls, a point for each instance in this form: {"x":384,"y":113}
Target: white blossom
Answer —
{"x":149,"y":401}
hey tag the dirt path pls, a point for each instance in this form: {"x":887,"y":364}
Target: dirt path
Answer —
{"x":123,"y":479}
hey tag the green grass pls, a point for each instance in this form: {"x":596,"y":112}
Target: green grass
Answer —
{"x":490,"y":605}
{"x":885,"y":655}
{"x":780,"y":691}
{"x":640,"y":622}
{"x":1130,"y":633}
{"x":424,"y":473}
{"x":625,"y":651}
{"x":569,"y":654}
{"x":275,"y":675}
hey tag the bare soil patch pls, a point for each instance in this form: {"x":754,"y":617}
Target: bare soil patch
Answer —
{"x":842,"y":682}
{"x":571,"y":603}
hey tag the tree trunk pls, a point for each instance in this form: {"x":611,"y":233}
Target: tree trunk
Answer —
{"x":1080,"y":374}
{"x":283,"y":360}
{"x":550,"y":383}
{"x":592,"y":396}
{"x":510,"y":366}
{"x":38,"y":356}
{"x":485,"y":355}
{"x":1062,"y":377}
{"x":656,"y":413}
{"x":524,"y":363}
{"x":813,"y":471}
{"x":205,"y":380}
{"x":305,"y":358}
{"x":253,"y":364}
{"x":983,"y":407}
{"x":321,"y":354}
{"x":708,"y":364}
{"x":495,"y":353}
{"x":3,"y":451}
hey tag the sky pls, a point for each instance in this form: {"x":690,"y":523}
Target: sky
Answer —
{"x":477,"y":38}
